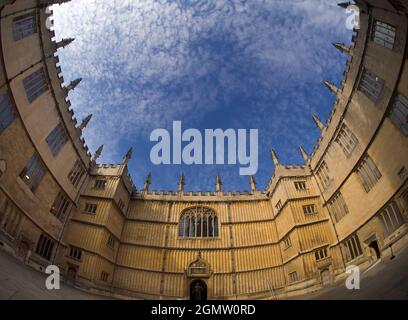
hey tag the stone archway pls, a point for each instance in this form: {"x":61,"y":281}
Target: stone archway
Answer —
{"x":198,"y":273}
{"x":198,"y":290}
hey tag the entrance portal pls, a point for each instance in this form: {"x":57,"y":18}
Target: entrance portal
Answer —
{"x":198,"y":290}
{"x":71,"y":275}
{"x":374,"y":247}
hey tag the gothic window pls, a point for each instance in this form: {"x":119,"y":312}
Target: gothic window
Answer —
{"x":323,"y":174}
{"x":278,"y":205}
{"x":321,"y":254}
{"x":44,"y":247}
{"x":371,"y":85}
{"x":104,"y":276}
{"x":338,"y":207}
{"x":352,"y":248}
{"x":90,"y":208}
{"x":35,"y":85}
{"x":6,"y":112}
{"x":384,"y":34}
{"x":75,"y":253}
{"x":346,"y":140}
{"x":399,"y":113}
{"x":368,"y":173}
{"x":33,"y":173}
{"x":24,"y":26}
{"x":60,"y":206}
{"x":309,"y":209}
{"x":76,"y":173}
{"x":293,"y":277}
{"x":391,"y":218}
{"x":100,"y":184}
{"x":57,"y":139}
{"x":300,"y":185}
{"x":198,"y":222}
{"x":287,"y":243}
{"x":111,"y":242}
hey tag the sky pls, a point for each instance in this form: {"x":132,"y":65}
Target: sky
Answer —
{"x":256,"y":64}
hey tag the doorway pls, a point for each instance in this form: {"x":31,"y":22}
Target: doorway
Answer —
{"x":198,"y":290}
{"x":71,"y":275}
{"x":325,"y":277}
{"x":375,"y":249}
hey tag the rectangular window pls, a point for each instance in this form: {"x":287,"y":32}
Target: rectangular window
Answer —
{"x":300,"y":185}
{"x":24,"y":26}
{"x":278,"y":205}
{"x":75,"y":253}
{"x":324,"y":175}
{"x":399,"y":113}
{"x":7,"y":115}
{"x":384,"y":34}
{"x":287,"y":242}
{"x":368,"y":173}
{"x":33,"y":173}
{"x":76,"y":173}
{"x":57,"y":139}
{"x":352,"y":248}
{"x":293,"y":277}
{"x":391,"y":218}
{"x":309,"y":209}
{"x":321,"y":254}
{"x":60,"y":207}
{"x":371,"y":85}
{"x":35,"y":85}
{"x":346,"y":140}
{"x":44,"y":247}
{"x":111,"y":242}
{"x":338,"y":207}
{"x":100,"y":184}
{"x":121,"y":205}
{"x":90,"y":208}
{"x":104,"y":276}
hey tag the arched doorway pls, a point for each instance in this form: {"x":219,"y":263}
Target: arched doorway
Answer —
{"x":198,"y":290}
{"x":375,"y":249}
{"x":325,"y":277}
{"x":71,"y":274}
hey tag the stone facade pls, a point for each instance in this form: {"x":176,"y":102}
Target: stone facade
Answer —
{"x":347,"y":205}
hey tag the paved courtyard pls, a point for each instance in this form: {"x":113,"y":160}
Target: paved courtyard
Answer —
{"x":387,"y":280}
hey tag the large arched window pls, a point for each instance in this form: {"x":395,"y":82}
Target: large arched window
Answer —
{"x":198,"y":222}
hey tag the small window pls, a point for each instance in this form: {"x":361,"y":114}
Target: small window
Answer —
{"x":399,"y":113}
{"x":90,"y":208}
{"x":75,"y":253}
{"x":287,"y":243}
{"x":309,"y":209}
{"x":24,"y":26}
{"x":104,"y":276}
{"x":278,"y":205}
{"x":121,"y":205}
{"x":35,"y":85}
{"x":391,"y":218}
{"x":324,"y":176}
{"x":338,"y":207}
{"x":100,"y":184}
{"x":76,"y":173}
{"x":371,"y":85}
{"x":60,"y":207}
{"x":346,"y":140}
{"x":111,"y":242}
{"x":293,"y":276}
{"x":352,"y":248}
{"x":33,"y":173}
{"x":368,"y":173}
{"x":44,"y":247}
{"x":300,"y":185}
{"x":7,"y":115}
{"x":321,"y":254}
{"x":384,"y":34}
{"x":57,"y":139}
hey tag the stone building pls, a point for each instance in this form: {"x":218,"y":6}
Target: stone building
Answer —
{"x":347,"y":205}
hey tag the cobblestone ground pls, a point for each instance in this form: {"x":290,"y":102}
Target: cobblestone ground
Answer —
{"x":20,"y":282}
{"x":387,"y":280}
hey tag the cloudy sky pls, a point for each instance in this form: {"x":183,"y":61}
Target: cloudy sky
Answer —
{"x":211,"y":64}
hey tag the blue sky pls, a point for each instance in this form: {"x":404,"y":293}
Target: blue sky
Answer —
{"x":210,"y":64}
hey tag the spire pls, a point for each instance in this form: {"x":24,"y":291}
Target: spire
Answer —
{"x":73,"y":84}
{"x":342,"y":47}
{"x":64,"y":42}
{"x":317,"y":121}
{"x":181,"y":183}
{"x":98,"y":153}
{"x":331,"y":86}
{"x":218,"y":183}
{"x":128,"y":156}
{"x":85,"y":122}
{"x":304,"y":154}
{"x":344,"y":5}
{"x":274,"y":157}
{"x":252,"y":183}
{"x":147,"y":182}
